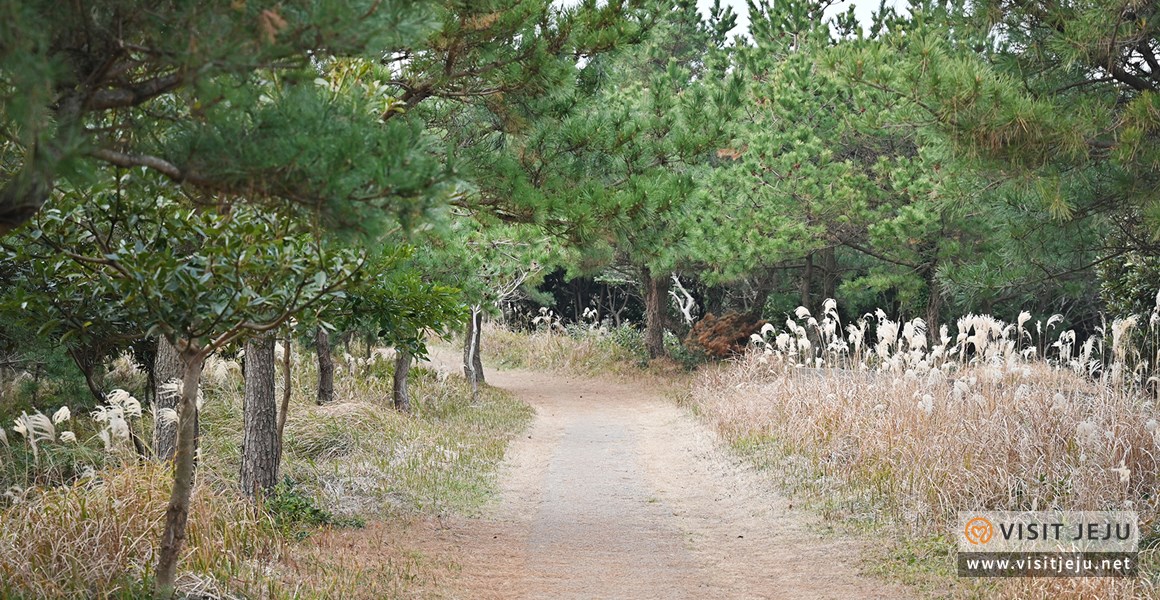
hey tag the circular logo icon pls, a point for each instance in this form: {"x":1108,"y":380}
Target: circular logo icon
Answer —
{"x":979,"y":530}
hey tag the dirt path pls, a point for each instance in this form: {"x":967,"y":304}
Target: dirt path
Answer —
{"x":616,"y":493}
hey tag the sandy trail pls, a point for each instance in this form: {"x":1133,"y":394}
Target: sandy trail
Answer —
{"x":615,"y":492}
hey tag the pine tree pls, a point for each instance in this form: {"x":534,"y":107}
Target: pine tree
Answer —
{"x":183,"y":89}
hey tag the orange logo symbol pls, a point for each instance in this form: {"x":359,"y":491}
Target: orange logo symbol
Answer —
{"x":979,"y":530}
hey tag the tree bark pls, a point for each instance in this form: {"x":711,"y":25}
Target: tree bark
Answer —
{"x":829,"y":273}
{"x":472,"y":363}
{"x":807,"y":281}
{"x":167,"y":366}
{"x":933,"y":302}
{"x":177,"y":513}
{"x":325,"y":367}
{"x":286,"y":383}
{"x":472,"y":360}
{"x":261,"y":451}
{"x":400,"y":395}
{"x":656,"y":293}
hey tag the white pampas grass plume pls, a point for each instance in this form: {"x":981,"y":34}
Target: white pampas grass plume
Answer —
{"x":132,"y":408}
{"x":14,"y":494}
{"x":172,"y":389}
{"x":124,"y":368}
{"x":926,"y":404}
{"x":167,"y":416}
{"x":103,"y":413}
{"x":61,"y":415}
{"x":802,"y":312}
{"x":1121,"y":329}
{"x":36,"y":427}
{"x":119,"y":428}
{"x":1087,"y":432}
{"x":68,"y":437}
{"x":1124,"y":472}
{"x":129,"y":405}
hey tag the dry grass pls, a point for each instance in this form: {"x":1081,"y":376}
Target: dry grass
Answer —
{"x":897,"y":438}
{"x":356,"y":457}
{"x":98,"y":537}
{"x":577,"y":350}
{"x":365,"y":564}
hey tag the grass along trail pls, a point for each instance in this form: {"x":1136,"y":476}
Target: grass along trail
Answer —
{"x":615,"y":492}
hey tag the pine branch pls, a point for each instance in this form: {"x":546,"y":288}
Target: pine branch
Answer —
{"x":132,"y":95}
{"x":160,"y":165}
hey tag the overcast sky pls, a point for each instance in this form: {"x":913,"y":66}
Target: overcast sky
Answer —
{"x":863,"y":8}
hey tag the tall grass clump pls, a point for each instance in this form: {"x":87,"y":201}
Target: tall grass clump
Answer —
{"x":585,"y":348}
{"x":96,"y":537}
{"x":894,"y":426}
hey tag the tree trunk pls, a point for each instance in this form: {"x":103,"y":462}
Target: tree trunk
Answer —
{"x":807,"y":281}
{"x":472,"y":361}
{"x":177,"y":514}
{"x":400,"y":394}
{"x":261,"y":451}
{"x":656,"y":294}
{"x":933,"y":302}
{"x":829,"y":273}
{"x":167,"y":366}
{"x":325,"y":367}
{"x":286,"y":387}
{"x":84,"y":360}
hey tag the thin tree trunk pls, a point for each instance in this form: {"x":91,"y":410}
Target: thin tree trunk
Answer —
{"x":472,"y":361}
{"x":656,"y":293}
{"x":400,"y":394}
{"x":260,"y":449}
{"x":933,"y":302}
{"x":87,"y":368}
{"x":325,"y":367}
{"x":472,"y":364}
{"x":177,"y":513}
{"x":285,"y":410}
{"x":807,"y":281}
{"x":167,"y":366}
